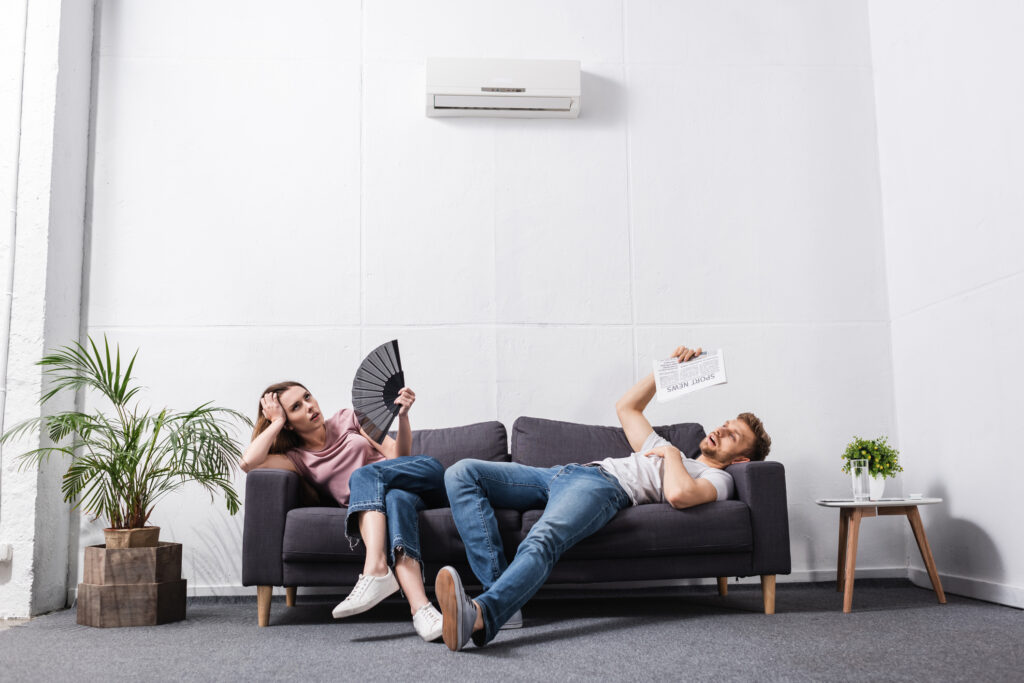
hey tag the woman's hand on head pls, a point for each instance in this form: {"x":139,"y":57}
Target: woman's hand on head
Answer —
{"x":272,"y":408}
{"x":406,"y":397}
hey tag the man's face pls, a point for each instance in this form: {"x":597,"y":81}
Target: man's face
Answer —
{"x":732,"y":442}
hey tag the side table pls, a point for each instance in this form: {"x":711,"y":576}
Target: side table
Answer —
{"x":850,"y":514}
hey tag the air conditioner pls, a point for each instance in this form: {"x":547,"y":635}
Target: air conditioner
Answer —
{"x":517,"y":88}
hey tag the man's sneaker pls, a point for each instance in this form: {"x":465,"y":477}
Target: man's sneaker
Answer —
{"x":368,"y":591}
{"x":459,"y":612}
{"x":514,"y":621}
{"x":427,"y":622}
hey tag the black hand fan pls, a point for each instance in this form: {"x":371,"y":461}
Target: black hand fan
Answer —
{"x":375,"y":388}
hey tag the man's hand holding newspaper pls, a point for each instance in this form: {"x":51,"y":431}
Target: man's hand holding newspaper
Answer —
{"x":686,"y":371}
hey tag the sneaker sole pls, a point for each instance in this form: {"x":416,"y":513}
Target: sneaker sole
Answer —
{"x":429,"y":637}
{"x":447,"y":592}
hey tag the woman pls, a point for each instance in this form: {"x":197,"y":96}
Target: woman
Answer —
{"x":380,"y":483}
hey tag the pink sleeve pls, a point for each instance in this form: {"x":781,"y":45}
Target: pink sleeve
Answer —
{"x":348,"y":420}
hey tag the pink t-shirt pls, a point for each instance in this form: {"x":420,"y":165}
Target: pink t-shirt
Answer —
{"x":345,"y":451}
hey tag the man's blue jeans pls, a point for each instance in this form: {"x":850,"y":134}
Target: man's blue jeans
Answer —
{"x":577,"y":501}
{"x":397,"y":488}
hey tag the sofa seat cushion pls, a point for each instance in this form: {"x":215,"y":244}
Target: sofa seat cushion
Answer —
{"x":317,"y":534}
{"x":657,"y":530}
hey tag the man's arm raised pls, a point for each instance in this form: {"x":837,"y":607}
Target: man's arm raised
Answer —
{"x":630,"y":408}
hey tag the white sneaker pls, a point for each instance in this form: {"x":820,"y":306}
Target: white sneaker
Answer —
{"x":368,"y":591}
{"x":427,"y":622}
{"x":514,"y":621}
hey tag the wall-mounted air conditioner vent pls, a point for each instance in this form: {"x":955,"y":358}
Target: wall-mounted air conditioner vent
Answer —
{"x":519,"y":88}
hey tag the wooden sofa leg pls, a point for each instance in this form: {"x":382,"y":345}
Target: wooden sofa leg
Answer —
{"x":263,"y":595}
{"x":289,"y":596}
{"x":768,"y":590}
{"x":723,"y":585}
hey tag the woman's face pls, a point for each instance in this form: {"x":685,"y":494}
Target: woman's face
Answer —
{"x":301,"y":409}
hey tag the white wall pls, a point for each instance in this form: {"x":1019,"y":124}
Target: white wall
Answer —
{"x":950,"y":105}
{"x":270,"y":202}
{"x":46,"y":118}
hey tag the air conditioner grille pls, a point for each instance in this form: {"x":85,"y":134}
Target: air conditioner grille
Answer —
{"x":502,"y":103}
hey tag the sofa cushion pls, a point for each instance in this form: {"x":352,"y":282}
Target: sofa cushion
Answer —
{"x":317,"y":534}
{"x":659,"y":530}
{"x":448,"y":445}
{"x":544,"y":443}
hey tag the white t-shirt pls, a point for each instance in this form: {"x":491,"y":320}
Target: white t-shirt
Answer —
{"x":642,"y":476}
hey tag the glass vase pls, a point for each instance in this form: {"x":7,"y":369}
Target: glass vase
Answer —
{"x":861,"y":480}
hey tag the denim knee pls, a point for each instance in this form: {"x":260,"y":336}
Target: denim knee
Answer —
{"x":460,"y":475}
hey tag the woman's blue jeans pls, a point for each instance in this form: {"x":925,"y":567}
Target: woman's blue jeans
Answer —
{"x":577,"y":500}
{"x":399,"y":488}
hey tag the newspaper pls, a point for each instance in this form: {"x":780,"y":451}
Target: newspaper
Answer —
{"x":674,"y":379}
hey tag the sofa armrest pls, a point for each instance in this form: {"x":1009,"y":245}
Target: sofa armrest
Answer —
{"x":762,"y":486}
{"x":269,"y":495}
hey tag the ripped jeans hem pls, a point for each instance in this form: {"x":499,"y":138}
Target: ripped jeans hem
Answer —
{"x":411,"y":553}
{"x":352,"y":529}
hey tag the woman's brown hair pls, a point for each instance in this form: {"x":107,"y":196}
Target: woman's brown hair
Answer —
{"x":287,"y":439}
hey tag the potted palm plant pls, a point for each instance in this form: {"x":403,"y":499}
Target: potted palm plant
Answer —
{"x":126,"y":459}
{"x":122,"y":462}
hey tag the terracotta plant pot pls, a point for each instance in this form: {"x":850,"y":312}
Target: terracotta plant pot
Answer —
{"x":143,"y":537}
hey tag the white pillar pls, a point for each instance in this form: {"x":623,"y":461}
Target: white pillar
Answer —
{"x":48,"y":122}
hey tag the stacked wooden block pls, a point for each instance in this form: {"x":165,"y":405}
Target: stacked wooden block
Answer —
{"x":131,"y":586}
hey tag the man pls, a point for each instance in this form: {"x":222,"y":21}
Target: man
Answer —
{"x":577,"y":500}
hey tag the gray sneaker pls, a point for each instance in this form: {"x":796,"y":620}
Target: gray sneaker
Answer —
{"x":514,"y":621}
{"x":459,"y":612}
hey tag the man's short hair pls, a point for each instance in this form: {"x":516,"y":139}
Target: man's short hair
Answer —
{"x":762,"y":442}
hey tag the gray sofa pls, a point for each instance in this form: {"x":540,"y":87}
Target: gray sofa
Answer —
{"x":289,"y":542}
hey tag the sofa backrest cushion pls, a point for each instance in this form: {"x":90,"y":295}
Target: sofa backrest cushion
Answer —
{"x":544,"y":443}
{"x":448,"y":445}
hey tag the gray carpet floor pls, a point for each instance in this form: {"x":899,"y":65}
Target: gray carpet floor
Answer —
{"x":897,"y":632}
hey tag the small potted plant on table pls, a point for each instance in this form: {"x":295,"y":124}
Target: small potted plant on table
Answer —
{"x":121,"y":463}
{"x":883,"y":461}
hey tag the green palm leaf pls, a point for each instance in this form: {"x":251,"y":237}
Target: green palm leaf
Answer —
{"x":124,"y":461}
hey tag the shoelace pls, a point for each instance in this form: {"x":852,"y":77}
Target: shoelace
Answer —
{"x":432,"y":616}
{"x":360,"y":586}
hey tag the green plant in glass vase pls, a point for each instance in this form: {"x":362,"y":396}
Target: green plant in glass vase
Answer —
{"x":126,"y":459}
{"x":883,"y":459}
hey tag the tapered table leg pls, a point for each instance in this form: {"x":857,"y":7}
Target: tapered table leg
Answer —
{"x":926,"y":552}
{"x":844,"y":525}
{"x":851,"y":558}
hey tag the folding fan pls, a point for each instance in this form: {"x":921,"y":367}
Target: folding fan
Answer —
{"x":375,"y":388}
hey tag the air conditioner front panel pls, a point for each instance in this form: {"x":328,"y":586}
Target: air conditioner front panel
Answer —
{"x":503,"y":87}
{"x":552,"y":104}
